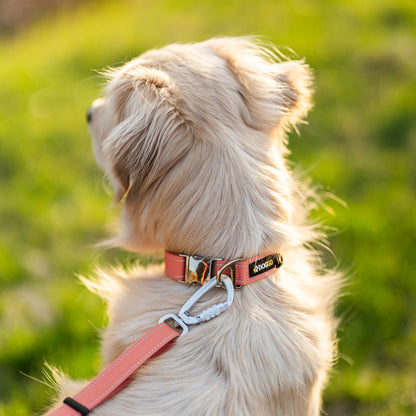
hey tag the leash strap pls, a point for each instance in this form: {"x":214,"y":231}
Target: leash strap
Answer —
{"x":230,"y":274}
{"x":116,"y":375}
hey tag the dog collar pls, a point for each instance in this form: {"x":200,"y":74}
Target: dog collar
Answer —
{"x":195,"y":269}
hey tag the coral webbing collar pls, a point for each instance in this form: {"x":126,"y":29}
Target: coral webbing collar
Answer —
{"x":195,"y":269}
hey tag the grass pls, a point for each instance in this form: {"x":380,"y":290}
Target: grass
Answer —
{"x":359,"y":144}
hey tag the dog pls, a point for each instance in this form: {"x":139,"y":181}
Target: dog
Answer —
{"x":193,"y":138}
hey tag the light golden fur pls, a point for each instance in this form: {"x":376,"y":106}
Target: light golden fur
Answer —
{"x":193,"y":139}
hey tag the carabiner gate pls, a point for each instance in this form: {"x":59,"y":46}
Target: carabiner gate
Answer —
{"x":184,"y":318}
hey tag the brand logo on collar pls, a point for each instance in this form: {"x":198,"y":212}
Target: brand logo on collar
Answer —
{"x":264,"y":265}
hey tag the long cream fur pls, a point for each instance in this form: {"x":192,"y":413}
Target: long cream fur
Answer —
{"x":193,"y":139}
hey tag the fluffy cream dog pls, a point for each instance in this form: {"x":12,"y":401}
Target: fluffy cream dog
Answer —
{"x":193,"y":139}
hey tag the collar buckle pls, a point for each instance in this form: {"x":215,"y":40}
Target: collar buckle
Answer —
{"x":199,"y":269}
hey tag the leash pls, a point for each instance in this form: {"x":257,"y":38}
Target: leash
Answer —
{"x":160,"y":338}
{"x":157,"y":340}
{"x":116,"y":375}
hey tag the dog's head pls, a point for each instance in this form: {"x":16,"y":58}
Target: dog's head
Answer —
{"x":192,"y":136}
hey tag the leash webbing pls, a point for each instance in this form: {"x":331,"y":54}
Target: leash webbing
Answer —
{"x":114,"y":377}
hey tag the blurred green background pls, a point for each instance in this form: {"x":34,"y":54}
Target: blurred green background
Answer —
{"x":360,"y":144}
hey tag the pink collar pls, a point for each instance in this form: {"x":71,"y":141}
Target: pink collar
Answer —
{"x":191,"y":269}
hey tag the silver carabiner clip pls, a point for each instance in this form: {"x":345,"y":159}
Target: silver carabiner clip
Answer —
{"x":184,"y":318}
{"x":213,"y":310}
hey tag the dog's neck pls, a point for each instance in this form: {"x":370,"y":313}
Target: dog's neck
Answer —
{"x":232,"y":216}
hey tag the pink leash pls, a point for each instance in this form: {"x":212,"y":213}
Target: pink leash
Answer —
{"x":113,"y":378}
{"x":157,"y":340}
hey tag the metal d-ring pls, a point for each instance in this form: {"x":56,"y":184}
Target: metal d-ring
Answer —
{"x":177,"y":322}
{"x":228,"y":265}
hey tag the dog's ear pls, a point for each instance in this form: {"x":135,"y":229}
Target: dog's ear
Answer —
{"x":119,"y":149}
{"x":276,"y":94}
{"x":145,"y":122}
{"x":294,"y":80}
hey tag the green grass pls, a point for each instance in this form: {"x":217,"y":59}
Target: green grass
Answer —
{"x":360,"y":144}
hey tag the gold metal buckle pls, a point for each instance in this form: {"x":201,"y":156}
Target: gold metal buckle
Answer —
{"x":198,"y":269}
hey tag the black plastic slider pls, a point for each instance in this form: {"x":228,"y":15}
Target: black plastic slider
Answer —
{"x":76,"y":406}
